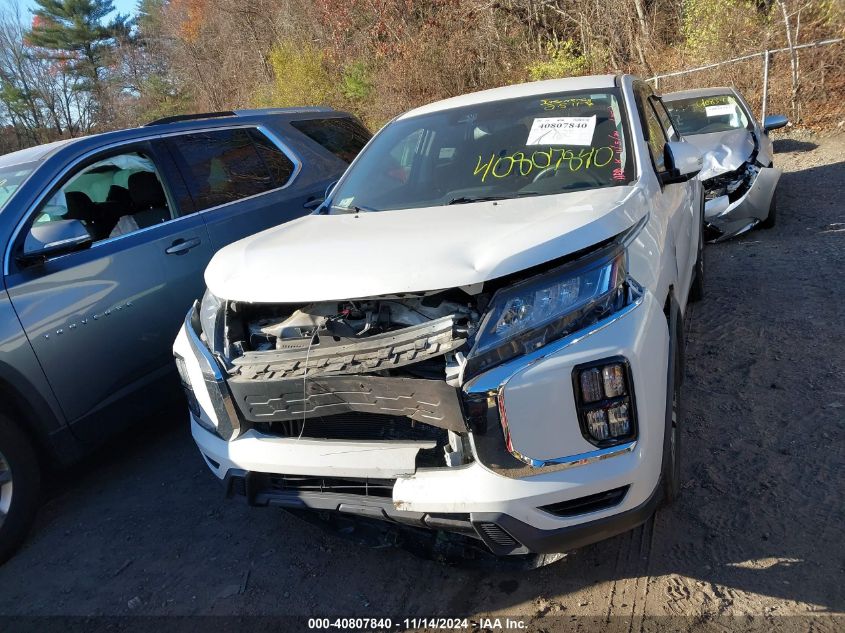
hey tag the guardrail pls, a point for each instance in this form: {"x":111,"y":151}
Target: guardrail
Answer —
{"x":766,"y":55}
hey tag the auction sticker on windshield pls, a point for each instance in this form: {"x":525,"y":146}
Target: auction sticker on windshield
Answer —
{"x":719,"y":110}
{"x":563,"y":130}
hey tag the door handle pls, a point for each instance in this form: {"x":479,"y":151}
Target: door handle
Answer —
{"x":182,"y":246}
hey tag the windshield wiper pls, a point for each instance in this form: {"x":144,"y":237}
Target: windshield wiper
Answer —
{"x":468,"y":199}
{"x":352,"y":209}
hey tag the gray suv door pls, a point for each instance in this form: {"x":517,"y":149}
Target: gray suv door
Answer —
{"x":101,"y":320}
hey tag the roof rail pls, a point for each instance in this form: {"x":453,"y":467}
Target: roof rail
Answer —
{"x":287,"y":110}
{"x":191,"y":117}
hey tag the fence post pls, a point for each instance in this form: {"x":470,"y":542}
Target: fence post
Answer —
{"x":765,"y":85}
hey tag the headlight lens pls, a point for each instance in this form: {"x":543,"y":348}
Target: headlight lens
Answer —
{"x":211,"y":320}
{"x":535,"y":312}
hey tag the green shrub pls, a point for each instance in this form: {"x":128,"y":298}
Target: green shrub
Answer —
{"x":300,"y":76}
{"x":712,"y":27}
{"x":356,"y":83}
{"x":564,"y":60}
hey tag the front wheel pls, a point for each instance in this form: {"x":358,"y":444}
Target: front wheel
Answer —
{"x":770,"y":220}
{"x":20,"y":484}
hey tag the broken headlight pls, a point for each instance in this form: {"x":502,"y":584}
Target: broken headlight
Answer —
{"x":532,"y":313}
{"x":211,"y":320}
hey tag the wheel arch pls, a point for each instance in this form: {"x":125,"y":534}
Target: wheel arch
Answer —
{"x":32,"y":414}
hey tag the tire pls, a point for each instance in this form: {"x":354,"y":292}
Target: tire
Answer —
{"x":770,"y":220}
{"x":670,"y":470}
{"x":20,"y":483}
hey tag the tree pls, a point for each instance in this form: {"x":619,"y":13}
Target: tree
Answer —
{"x":75,"y":32}
{"x":39,"y":99}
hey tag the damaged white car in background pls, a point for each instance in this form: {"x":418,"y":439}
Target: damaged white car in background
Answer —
{"x":477,"y":336}
{"x":738,"y":172}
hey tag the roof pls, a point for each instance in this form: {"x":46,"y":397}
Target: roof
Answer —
{"x":697,"y":92}
{"x":594,"y":82}
{"x":183,"y":123}
{"x":227,"y":114}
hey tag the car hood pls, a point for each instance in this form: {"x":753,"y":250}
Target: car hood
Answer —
{"x":335,"y":257}
{"x":722,"y":151}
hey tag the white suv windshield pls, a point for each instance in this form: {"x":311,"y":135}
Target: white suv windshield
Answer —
{"x":704,"y":115}
{"x":539,"y":145}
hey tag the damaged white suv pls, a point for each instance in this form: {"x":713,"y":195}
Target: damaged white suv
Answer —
{"x":479,"y":332}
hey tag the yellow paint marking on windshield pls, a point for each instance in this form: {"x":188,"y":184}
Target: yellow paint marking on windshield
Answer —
{"x":552,"y":158}
{"x":561,"y":104}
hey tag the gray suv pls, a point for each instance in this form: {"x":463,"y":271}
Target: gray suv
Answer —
{"x":104,"y":243}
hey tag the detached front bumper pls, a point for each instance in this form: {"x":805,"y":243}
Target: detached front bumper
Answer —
{"x":728,"y":217}
{"x":570,"y":494}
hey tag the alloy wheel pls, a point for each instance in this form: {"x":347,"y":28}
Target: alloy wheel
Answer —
{"x":5,"y":488}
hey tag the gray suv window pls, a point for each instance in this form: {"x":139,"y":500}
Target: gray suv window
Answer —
{"x":222,"y":166}
{"x":118,"y":194}
{"x":343,"y":137}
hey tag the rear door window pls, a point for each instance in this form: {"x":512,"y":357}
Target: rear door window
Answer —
{"x":343,"y":137}
{"x":223,"y":166}
{"x":281,"y":167}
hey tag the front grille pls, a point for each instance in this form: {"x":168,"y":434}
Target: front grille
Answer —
{"x":357,"y":426}
{"x":338,"y":485}
{"x":497,"y":535}
{"x":590,"y":503}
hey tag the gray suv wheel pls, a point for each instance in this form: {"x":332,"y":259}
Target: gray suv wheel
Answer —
{"x":19,"y":487}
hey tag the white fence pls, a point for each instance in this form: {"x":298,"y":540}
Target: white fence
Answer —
{"x":766,"y":55}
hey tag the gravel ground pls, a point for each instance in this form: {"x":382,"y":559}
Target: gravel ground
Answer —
{"x":143,"y":529}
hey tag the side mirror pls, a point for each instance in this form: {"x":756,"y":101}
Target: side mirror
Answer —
{"x":774,"y":122}
{"x":683,"y":162}
{"x":329,"y":189}
{"x":54,"y":238}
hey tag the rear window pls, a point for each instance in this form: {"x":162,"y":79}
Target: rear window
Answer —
{"x":222,"y":166}
{"x":342,"y":137}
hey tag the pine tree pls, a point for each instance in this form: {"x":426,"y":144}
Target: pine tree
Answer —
{"x":77,"y":33}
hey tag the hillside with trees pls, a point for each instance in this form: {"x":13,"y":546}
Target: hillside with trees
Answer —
{"x":73,"y":67}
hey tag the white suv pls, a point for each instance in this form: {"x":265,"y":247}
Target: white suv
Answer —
{"x":479,"y":331}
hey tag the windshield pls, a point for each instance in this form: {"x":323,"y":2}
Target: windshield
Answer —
{"x":539,"y":145}
{"x":703,"y":115}
{"x":11,"y":177}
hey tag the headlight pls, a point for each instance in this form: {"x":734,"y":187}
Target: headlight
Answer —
{"x":211,"y":321}
{"x":528,"y":315}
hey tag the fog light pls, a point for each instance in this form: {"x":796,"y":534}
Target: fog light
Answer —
{"x":591,"y":389}
{"x":604,"y":394}
{"x":597,"y":423}
{"x":619,"y":420}
{"x":614,"y":380}
{"x":190,"y":396}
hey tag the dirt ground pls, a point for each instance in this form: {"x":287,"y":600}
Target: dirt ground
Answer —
{"x":143,"y":528}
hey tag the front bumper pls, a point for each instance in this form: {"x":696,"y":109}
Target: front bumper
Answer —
{"x":513,"y":510}
{"x":728,"y":218}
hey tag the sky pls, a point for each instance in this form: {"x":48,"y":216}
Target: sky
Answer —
{"x":122,"y":6}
